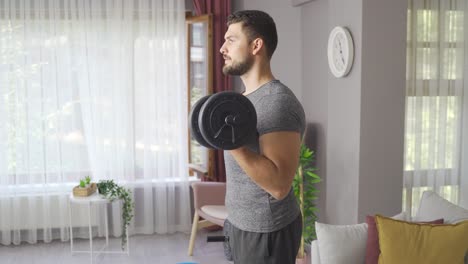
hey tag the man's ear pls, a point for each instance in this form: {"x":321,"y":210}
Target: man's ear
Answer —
{"x":257,"y":45}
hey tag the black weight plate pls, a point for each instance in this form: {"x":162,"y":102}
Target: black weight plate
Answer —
{"x":233,"y":133}
{"x":193,"y":122}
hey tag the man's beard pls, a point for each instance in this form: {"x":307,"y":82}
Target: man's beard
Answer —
{"x":239,"y":68}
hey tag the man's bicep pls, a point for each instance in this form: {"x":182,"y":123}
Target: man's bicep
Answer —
{"x":282,"y":148}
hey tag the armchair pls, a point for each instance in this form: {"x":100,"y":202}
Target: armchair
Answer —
{"x":208,"y":199}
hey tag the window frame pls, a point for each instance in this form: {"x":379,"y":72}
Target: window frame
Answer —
{"x":189,"y":20}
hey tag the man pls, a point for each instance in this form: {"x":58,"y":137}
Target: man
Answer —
{"x":262,"y":208}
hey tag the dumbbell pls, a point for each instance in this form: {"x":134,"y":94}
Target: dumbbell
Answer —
{"x":225,"y":120}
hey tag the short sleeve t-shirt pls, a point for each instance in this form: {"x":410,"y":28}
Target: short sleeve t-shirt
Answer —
{"x":251,"y":208}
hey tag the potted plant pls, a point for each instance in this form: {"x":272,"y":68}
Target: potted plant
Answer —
{"x":306,"y":192}
{"x":84,"y":188}
{"x":86,"y":182}
{"x":113,"y":191}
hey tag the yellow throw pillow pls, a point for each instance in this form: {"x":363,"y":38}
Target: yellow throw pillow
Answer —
{"x":403,"y":242}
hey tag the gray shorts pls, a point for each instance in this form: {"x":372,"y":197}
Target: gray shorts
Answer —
{"x":278,"y":247}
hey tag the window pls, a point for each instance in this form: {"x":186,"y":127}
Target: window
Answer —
{"x":434,"y":90}
{"x":83,"y":90}
{"x":200,"y":80}
{"x":42,"y":126}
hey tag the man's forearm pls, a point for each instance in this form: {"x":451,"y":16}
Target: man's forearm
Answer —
{"x":263,"y":172}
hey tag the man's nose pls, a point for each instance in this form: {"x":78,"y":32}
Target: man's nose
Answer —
{"x":222,"y":50}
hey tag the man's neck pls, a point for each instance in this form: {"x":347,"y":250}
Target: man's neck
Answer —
{"x":256,"y":77}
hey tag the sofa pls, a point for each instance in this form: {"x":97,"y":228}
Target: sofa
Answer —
{"x":437,"y":234}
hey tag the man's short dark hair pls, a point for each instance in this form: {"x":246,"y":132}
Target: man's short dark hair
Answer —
{"x":257,"y":24}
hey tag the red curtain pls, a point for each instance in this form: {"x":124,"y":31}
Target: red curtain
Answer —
{"x":220,"y":9}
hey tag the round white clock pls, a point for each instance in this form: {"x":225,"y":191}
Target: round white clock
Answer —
{"x":340,"y":51}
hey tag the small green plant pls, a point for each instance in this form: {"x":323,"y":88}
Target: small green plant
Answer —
{"x":82,"y":184}
{"x":85,"y":182}
{"x":113,"y":191}
{"x":306,"y":192}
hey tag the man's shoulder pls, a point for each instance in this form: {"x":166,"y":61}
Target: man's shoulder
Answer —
{"x":273,"y":91}
{"x":277,"y":87}
{"x":278,"y":93}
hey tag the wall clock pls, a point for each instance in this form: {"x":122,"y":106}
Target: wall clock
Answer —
{"x":340,"y":51}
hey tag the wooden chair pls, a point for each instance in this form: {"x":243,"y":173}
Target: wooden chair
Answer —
{"x":208,"y":201}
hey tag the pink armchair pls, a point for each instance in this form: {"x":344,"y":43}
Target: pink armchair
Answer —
{"x":208,"y":199}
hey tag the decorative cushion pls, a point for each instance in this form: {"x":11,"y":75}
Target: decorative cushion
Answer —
{"x":372,"y":244}
{"x":433,"y":206}
{"x":341,"y":244}
{"x":404,"y":242}
{"x":373,"y":248}
{"x":401,"y":216}
{"x":218,"y":211}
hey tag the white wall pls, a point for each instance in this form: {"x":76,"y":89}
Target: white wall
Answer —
{"x":383,"y":89}
{"x":343,"y":114}
{"x":314,"y":16}
{"x":286,"y":62}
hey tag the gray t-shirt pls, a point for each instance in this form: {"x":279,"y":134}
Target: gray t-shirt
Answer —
{"x":251,"y":208}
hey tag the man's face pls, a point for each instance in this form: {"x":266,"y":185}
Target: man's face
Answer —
{"x":236,"y":51}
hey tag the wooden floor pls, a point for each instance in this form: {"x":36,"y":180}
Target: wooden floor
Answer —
{"x":164,"y":249}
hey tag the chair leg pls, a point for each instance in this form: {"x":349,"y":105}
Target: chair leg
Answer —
{"x":194,"y":233}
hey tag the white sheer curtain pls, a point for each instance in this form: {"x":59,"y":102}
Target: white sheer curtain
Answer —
{"x":434,"y":99}
{"x":92,"y":88}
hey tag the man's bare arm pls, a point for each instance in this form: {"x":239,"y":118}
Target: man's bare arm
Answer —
{"x":274,"y":168}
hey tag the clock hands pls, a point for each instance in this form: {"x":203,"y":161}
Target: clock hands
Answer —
{"x":341,"y":51}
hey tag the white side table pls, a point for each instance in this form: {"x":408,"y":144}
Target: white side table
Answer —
{"x":94,"y":199}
